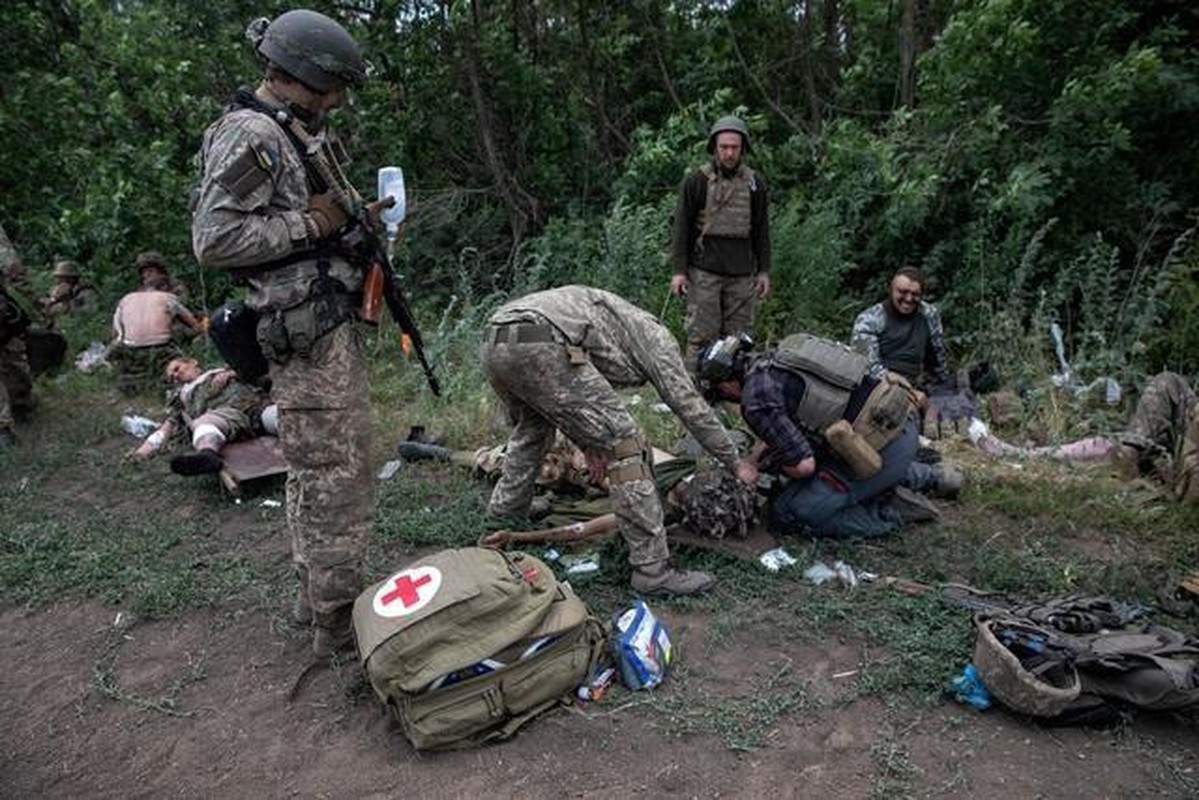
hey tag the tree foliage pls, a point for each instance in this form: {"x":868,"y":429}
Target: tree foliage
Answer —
{"x":1035,"y":158}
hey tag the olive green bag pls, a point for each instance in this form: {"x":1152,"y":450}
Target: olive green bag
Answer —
{"x":467,"y":645}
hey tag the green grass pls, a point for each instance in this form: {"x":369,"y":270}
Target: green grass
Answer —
{"x":78,"y":522}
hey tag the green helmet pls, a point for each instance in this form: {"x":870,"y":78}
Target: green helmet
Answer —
{"x":65,"y":268}
{"x":734,"y":124}
{"x":150,"y":259}
{"x":719,"y":505}
{"x":312,"y":48}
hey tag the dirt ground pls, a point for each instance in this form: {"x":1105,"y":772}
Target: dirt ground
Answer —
{"x":96,"y":703}
{"x":226,"y":727}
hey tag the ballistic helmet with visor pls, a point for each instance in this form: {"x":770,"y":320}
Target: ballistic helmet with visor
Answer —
{"x":734,"y":124}
{"x":724,"y":359}
{"x":312,"y":48}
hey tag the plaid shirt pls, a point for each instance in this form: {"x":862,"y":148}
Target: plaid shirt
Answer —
{"x":769,"y":397}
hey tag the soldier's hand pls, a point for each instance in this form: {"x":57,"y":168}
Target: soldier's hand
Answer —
{"x":597,"y":466}
{"x":375,"y":209}
{"x":747,"y":471}
{"x":678,"y":284}
{"x":326,"y":214}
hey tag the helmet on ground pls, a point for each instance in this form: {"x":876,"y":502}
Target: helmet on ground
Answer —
{"x":312,"y":48}
{"x":734,"y":124}
{"x":719,"y":505}
{"x":724,"y":359}
{"x":65,"y":268}
{"x":150,"y":259}
{"x":1007,"y":651}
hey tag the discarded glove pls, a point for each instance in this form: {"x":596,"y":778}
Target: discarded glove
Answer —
{"x":968,"y":688}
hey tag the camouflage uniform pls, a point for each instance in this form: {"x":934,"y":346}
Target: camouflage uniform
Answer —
{"x":880,"y":334}
{"x":235,"y":409}
{"x":250,"y":212}
{"x":1165,"y":424}
{"x":554,"y":357}
{"x":16,"y":383}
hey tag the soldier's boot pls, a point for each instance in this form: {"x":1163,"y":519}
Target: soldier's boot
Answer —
{"x":7,"y":438}
{"x":662,"y":580}
{"x":334,"y":635}
{"x":911,"y":506}
{"x":422,"y":451}
{"x":950,"y":480}
{"x":203,"y":460}
{"x":1126,"y":461}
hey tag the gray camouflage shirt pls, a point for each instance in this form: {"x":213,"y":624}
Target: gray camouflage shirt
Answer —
{"x":250,"y":208}
{"x":629,"y":348}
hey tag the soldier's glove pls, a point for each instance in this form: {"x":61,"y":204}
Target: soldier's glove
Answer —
{"x":373,"y":210}
{"x":949,"y":412}
{"x":325,"y":215}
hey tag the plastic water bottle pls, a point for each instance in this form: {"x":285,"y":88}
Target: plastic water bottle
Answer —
{"x":391,"y":184}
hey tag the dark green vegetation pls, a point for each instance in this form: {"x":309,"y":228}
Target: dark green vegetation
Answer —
{"x":1036,"y":158}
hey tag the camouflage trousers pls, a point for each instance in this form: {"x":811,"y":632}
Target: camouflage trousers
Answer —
{"x":325,"y":429}
{"x":142,"y":369}
{"x":543,"y":391}
{"x":717,"y":305}
{"x":16,"y":385}
{"x":1167,"y":417}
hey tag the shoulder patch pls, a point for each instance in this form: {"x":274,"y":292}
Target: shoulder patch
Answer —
{"x":247,"y":171}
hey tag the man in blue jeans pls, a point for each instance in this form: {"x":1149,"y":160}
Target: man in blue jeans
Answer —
{"x":845,"y":441}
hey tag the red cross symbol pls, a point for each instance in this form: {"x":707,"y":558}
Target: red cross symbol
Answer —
{"x":407,"y":591}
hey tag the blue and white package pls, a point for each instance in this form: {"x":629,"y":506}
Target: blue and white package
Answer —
{"x":641,"y":646}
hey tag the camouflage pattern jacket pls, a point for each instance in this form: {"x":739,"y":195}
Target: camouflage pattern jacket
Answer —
{"x":249,"y":211}
{"x":629,"y":348}
{"x":884,"y":338}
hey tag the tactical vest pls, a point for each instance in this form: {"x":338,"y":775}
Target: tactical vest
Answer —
{"x":831,"y":371}
{"x":726,"y":212}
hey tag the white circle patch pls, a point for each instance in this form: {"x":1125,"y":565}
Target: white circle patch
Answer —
{"x":407,"y":592}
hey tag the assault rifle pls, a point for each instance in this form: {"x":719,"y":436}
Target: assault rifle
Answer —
{"x":325,"y":174}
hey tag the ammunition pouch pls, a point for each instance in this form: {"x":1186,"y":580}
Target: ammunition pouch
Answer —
{"x":885,"y":411}
{"x":295,"y":330}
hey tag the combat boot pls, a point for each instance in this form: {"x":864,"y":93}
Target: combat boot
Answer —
{"x":335,"y":635}
{"x":422,"y":451}
{"x":911,"y":506}
{"x":662,"y":580}
{"x":197,"y":462}
{"x":950,"y":480}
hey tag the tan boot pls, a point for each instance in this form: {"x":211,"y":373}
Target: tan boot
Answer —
{"x":333,"y":634}
{"x":663,"y":580}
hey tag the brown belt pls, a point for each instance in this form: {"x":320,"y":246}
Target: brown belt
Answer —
{"x":522,"y":333}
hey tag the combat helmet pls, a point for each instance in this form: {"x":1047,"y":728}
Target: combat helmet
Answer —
{"x":65,"y":268}
{"x":150,"y":259}
{"x":310,"y":47}
{"x":719,"y":505}
{"x":735,"y":124}
{"x":724,"y":359}
{"x":1024,"y":668}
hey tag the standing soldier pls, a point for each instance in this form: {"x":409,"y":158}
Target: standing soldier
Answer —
{"x":259,"y":213}
{"x":721,"y":246}
{"x":554,"y":357}
{"x":16,"y":313}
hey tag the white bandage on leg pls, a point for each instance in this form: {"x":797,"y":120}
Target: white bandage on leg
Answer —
{"x":270,"y":419}
{"x":207,"y":434}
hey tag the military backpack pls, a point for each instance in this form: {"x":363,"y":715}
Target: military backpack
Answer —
{"x":467,"y":645}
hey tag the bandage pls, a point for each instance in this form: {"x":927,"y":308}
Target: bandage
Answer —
{"x":156,"y":439}
{"x":204,"y":431}
{"x":270,"y":419}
